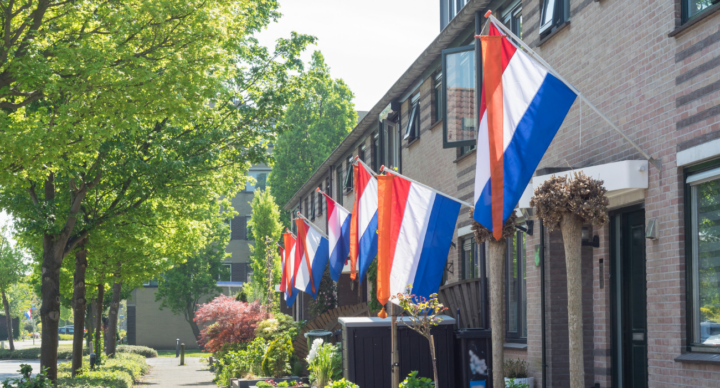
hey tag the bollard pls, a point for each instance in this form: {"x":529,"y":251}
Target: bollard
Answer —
{"x":177,"y":348}
{"x":92,"y":360}
{"x":182,"y":354}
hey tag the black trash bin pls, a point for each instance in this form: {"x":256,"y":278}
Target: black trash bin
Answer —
{"x":474,"y":353}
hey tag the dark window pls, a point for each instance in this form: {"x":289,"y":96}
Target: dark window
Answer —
{"x":312,"y":206}
{"x":513,"y":20}
{"x":413,"y":128}
{"x":554,"y":13}
{"x":515,"y":288}
{"x":703,"y":190}
{"x":307,"y":207}
{"x":458,"y":96}
{"x":377,"y":154}
{"x":237,"y":228}
{"x":339,"y":179}
{"x":349,"y":177}
{"x":320,"y":201}
{"x":248,"y":229}
{"x":692,"y":8}
{"x":438,"y":97}
{"x":464,"y":150}
{"x":361,"y":153}
{"x":470,"y":264}
{"x":391,"y":143}
{"x":260,"y":181}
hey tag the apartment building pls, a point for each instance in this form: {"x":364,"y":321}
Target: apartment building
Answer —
{"x":651,"y":276}
{"x":160,"y":329}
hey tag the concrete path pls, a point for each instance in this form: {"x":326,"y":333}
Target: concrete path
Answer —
{"x":165,"y":372}
{"x":10,"y":368}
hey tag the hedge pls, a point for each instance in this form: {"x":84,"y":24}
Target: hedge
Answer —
{"x":123,"y":371}
{"x":141,"y":350}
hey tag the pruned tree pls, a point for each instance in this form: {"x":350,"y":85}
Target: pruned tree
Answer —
{"x":567,"y":204}
{"x":228,"y":321}
{"x":496,"y":252}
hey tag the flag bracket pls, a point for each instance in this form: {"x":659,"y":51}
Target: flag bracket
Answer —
{"x":312,"y":224}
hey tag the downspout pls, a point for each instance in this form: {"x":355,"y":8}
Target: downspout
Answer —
{"x":542,"y":302}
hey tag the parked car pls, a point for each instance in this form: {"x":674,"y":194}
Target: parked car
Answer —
{"x":66,"y":330}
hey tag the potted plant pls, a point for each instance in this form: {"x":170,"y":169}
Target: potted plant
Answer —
{"x":516,"y":374}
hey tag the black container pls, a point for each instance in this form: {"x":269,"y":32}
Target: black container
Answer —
{"x":367,"y":348}
{"x":474,"y":356}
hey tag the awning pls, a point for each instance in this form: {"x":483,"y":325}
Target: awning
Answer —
{"x":626,"y":182}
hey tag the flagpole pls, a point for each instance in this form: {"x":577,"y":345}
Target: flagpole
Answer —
{"x":357,"y":159}
{"x":313,"y":225}
{"x":329,"y":197}
{"x":388,"y":171}
{"x":655,"y":162}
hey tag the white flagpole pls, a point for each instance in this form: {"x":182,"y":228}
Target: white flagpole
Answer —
{"x":388,"y":171}
{"x":358,"y":160}
{"x":313,"y":225}
{"x":655,"y":162}
{"x":331,"y":198}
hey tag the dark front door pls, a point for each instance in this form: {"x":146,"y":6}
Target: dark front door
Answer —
{"x":629,"y":297}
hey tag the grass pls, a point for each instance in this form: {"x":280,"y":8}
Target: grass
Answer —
{"x":64,"y":353}
{"x":188,"y":353}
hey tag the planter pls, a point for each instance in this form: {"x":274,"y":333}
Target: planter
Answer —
{"x":528,"y":380}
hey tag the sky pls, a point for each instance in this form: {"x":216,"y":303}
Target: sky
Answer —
{"x":369,"y":43}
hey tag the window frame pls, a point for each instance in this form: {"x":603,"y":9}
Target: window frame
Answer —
{"x":349,"y":181}
{"x":510,"y":18}
{"x":690,"y":252}
{"x":685,"y":6}
{"x":339,"y":184}
{"x":521,"y":314}
{"x":412,"y":131}
{"x":312,"y":205}
{"x":445,"y":53}
{"x":228,"y":265}
{"x":560,"y":15}
{"x":474,"y":253}
{"x":438,"y":97}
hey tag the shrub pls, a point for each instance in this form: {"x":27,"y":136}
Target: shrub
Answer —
{"x":65,"y":337}
{"x":64,"y":353}
{"x":227,"y":321}
{"x":263,"y":384}
{"x":119,"y":372}
{"x":512,"y":384}
{"x":516,"y":369}
{"x":343,"y":384}
{"x":276,"y":362}
{"x":242,"y":363}
{"x":281,"y":323}
{"x":321,"y":362}
{"x":141,"y":350}
{"x":412,"y":381}
{"x":25,"y":381}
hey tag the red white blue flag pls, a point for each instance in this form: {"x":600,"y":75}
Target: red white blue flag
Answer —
{"x":364,"y":222}
{"x":311,"y":255}
{"x":338,"y":236}
{"x":288,"y":273}
{"x":521,"y":109}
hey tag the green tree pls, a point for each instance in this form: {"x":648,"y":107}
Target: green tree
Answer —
{"x":187,"y":285}
{"x":318,"y":120}
{"x":166,"y":166}
{"x":265,"y":222}
{"x":12,"y":269}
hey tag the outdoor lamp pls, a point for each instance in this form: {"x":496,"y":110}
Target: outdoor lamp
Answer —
{"x":587,"y":241}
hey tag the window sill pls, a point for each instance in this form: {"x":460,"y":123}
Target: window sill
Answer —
{"x":699,"y":358}
{"x":514,"y":346}
{"x":553,"y":33}
{"x":704,"y":15}
{"x":463,"y":157}
{"x":348,"y":191}
{"x":413,"y":141}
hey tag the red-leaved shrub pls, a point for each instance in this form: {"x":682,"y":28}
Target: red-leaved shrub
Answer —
{"x":226,"y":320}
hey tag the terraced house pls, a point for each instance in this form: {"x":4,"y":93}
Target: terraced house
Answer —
{"x":651,"y":277}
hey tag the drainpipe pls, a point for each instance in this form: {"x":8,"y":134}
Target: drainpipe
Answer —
{"x":542,"y":302}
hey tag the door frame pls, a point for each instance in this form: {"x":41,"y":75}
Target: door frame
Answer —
{"x":613,"y":289}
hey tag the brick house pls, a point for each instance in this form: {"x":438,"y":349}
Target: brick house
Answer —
{"x":651,"y":276}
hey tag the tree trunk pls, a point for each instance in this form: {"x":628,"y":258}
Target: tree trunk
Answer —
{"x":98,"y":320}
{"x":190,"y":318}
{"x":6,"y":305}
{"x":434,"y":361}
{"x":79,"y":306}
{"x":111,"y":336}
{"x":50,"y":308}
{"x":497,"y":251}
{"x":571,"y":227}
{"x":90,"y":322}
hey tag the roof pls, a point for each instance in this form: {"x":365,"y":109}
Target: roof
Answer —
{"x":460,"y":22}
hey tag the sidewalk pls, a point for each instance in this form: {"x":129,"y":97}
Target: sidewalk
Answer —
{"x":165,"y":372}
{"x":9,"y":368}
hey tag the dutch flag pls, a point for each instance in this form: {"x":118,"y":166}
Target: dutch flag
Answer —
{"x":521,"y":109}
{"x":364,"y":223}
{"x":338,"y":236}
{"x":311,"y":257}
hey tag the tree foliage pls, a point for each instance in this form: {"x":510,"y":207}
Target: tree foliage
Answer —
{"x":227,"y":321}
{"x":318,"y":120}
{"x":265,"y":222}
{"x":12,"y":261}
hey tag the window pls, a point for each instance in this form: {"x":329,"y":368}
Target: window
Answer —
{"x":704,"y":193}
{"x":339,"y":179}
{"x":515,"y":288}
{"x":151,"y":283}
{"x":361,"y":153}
{"x":470,"y":264}
{"x":349,"y":177}
{"x":319,"y":202}
{"x":248,"y":229}
{"x":238,"y":227}
{"x":225,"y":274}
{"x":554,"y":13}
{"x":692,"y":8}
{"x":391,"y":142}
{"x":413,"y":129}
{"x":512,"y":18}
{"x":377,"y":154}
{"x":260,"y":181}
{"x":458,"y":97}
{"x":438,"y":97}
{"x":464,"y":150}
